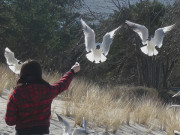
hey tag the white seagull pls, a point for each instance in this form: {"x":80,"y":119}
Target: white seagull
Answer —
{"x":76,"y":131}
{"x":97,"y":52}
{"x":150,"y":43}
{"x":14,"y":64}
{"x":177,"y":94}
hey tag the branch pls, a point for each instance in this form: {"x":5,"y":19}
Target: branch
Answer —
{"x":117,"y":5}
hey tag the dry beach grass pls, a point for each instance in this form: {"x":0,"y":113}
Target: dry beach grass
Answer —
{"x":112,"y":107}
{"x":109,"y":106}
{"x":7,"y":78}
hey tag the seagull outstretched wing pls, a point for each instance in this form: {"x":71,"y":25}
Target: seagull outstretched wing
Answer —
{"x":14,"y":64}
{"x":65,"y":123}
{"x":107,"y":41}
{"x":159,"y":35}
{"x":89,"y":36}
{"x":141,"y":30}
{"x":81,"y":131}
{"x":84,"y":124}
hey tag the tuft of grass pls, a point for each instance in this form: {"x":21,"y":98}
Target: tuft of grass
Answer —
{"x":7,"y":79}
{"x":170,"y":119}
{"x":51,"y":77}
{"x":145,"y":111}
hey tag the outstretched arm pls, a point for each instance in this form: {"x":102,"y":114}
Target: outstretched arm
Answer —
{"x":65,"y":81}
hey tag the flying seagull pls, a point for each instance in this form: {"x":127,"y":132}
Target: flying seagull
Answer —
{"x":76,"y":131}
{"x":97,"y":52}
{"x":150,"y":43}
{"x":14,"y":64}
{"x":177,"y":94}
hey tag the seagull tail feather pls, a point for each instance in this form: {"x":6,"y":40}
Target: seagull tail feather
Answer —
{"x":148,"y":52}
{"x":90,"y":56}
{"x":144,"y":50}
{"x":103,"y":58}
{"x":155,"y":51}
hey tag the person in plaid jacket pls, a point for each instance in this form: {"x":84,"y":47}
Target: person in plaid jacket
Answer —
{"x":29,"y":105}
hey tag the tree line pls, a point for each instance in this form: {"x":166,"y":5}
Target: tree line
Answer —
{"x":50,"y":32}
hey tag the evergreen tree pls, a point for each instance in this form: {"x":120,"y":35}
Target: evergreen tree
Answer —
{"x":41,"y":29}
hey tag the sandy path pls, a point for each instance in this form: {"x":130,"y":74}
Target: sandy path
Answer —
{"x":56,"y":127}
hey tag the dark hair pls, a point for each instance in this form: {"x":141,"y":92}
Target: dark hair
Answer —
{"x":31,"y":73}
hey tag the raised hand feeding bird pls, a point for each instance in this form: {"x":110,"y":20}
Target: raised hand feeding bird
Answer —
{"x":150,"y":43}
{"x":14,"y":64}
{"x":97,"y":52}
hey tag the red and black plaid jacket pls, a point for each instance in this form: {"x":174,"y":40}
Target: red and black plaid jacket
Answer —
{"x":30,"y":105}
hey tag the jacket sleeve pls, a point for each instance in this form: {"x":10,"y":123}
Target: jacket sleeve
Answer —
{"x":62,"y":84}
{"x":11,"y":110}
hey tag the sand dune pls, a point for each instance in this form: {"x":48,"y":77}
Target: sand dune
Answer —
{"x":56,"y":127}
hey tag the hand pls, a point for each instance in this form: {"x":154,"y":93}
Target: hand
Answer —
{"x":76,"y":67}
